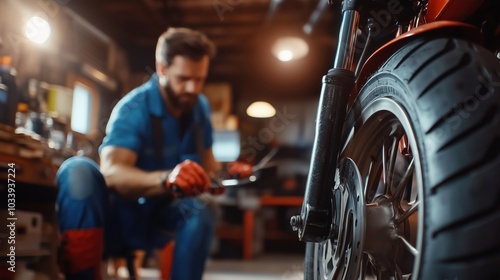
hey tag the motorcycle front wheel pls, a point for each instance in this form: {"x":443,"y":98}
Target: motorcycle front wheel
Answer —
{"x":417,"y":192}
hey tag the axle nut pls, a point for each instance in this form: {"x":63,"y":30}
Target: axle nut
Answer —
{"x":296,"y":222}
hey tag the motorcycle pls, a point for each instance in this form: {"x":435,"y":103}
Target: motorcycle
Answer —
{"x":404,"y":178}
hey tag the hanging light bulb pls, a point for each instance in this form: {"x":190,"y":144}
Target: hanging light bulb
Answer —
{"x":261,"y":109}
{"x":285,"y":55}
{"x":290,"y":48}
{"x":37,"y":30}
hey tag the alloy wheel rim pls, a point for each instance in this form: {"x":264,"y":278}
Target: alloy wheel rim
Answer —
{"x":380,"y":161}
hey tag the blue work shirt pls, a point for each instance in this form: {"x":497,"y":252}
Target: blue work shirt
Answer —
{"x":131,"y":127}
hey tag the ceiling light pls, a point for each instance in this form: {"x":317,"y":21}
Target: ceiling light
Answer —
{"x":285,"y":55}
{"x":288,"y":48}
{"x":37,"y":30}
{"x":261,"y":109}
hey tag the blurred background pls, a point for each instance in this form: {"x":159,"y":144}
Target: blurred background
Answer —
{"x":65,"y":63}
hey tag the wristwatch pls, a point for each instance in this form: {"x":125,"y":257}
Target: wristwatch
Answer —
{"x":164,"y":178}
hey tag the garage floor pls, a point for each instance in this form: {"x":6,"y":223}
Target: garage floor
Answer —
{"x":268,"y":267}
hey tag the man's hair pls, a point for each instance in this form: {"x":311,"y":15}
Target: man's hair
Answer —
{"x":184,"y":42}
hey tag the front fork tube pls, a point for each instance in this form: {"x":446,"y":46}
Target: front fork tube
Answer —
{"x":314,"y":224}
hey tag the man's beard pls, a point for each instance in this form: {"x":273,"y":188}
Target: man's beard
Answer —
{"x":185,"y":101}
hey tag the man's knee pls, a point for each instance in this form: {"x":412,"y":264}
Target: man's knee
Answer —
{"x":210,"y":204}
{"x":207,"y":210}
{"x":82,"y":195}
{"x":79,"y":178}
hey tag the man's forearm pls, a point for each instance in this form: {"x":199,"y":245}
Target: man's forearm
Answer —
{"x":132,"y":182}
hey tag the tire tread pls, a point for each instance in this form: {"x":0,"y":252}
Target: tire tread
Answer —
{"x":428,"y":68}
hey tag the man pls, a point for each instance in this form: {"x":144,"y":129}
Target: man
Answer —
{"x":157,"y":145}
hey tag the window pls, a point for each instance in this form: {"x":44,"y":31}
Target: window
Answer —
{"x":226,"y":146}
{"x":84,"y":105}
{"x":81,"y":109}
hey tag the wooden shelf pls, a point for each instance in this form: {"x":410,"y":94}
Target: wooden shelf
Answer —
{"x":35,"y":192}
{"x":39,"y":171}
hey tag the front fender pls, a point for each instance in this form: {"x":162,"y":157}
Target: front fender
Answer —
{"x":435,"y":29}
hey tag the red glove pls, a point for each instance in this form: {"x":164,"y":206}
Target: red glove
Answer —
{"x":189,"y":177}
{"x":242,"y":169}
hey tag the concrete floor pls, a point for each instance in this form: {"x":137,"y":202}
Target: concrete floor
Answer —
{"x":268,"y":267}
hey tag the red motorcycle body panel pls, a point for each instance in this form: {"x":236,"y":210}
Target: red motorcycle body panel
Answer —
{"x":451,"y":9}
{"x":436,"y":29}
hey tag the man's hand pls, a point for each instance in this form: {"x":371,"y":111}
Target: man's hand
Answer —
{"x":190,"y":178}
{"x":241,"y":169}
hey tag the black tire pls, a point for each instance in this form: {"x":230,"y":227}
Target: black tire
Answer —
{"x":442,"y":97}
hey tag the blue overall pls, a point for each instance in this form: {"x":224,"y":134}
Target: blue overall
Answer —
{"x":96,"y":223}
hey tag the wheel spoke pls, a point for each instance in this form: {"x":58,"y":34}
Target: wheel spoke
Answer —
{"x":392,"y":164}
{"x":384,"y":165}
{"x":408,"y":213}
{"x":364,"y":267}
{"x":383,"y":275}
{"x":404,"y":181}
{"x":328,"y":251}
{"x":373,"y":180}
{"x":397,"y":272}
{"x":408,"y":246}
{"x":413,"y":195}
{"x":368,"y":180}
